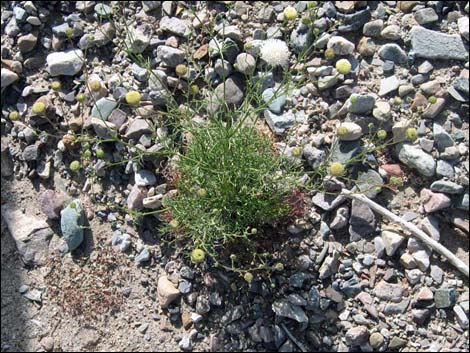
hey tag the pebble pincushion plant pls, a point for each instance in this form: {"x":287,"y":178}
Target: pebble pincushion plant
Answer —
{"x":232,"y":184}
{"x":275,"y":53}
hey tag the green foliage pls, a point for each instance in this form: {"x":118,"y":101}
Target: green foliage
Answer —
{"x":243,"y":182}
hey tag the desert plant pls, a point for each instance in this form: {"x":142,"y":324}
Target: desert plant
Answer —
{"x":243,"y":182}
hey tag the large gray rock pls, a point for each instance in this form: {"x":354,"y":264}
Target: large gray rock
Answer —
{"x":31,"y":235}
{"x":67,"y":63}
{"x":72,"y":220}
{"x":414,"y":157}
{"x":231,"y":91}
{"x":174,"y":25}
{"x":361,"y":103}
{"x":170,"y":56}
{"x":435,"y":45}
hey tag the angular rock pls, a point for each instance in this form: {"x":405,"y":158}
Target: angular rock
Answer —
{"x":426,"y":16}
{"x":393,"y":52}
{"x":8,"y":77}
{"x":103,"y":108}
{"x":357,"y":336}
{"x":174,"y":25}
{"x":436,"y":45}
{"x":389,"y":291}
{"x":167,"y":292}
{"x":353,"y":132}
{"x":362,"y":221}
{"x":369,"y":183}
{"x":136,"y":197}
{"x":447,"y":187}
{"x":170,"y":56}
{"x":433,"y":201}
{"x":285,"y":309}
{"x":31,"y":235}
{"x":67,"y":63}
{"x":340,"y":45}
{"x":388,"y":85}
{"x":416,"y":158}
{"x":361,"y":103}
{"x":138,"y":128}
{"x":280,"y":123}
{"x":392,"y":241}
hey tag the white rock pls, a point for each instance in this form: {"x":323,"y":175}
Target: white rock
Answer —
{"x":392,"y":241}
{"x":8,"y":77}
{"x":67,"y":63}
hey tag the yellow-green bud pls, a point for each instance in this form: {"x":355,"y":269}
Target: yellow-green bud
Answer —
{"x":296,"y":151}
{"x":290,"y":13}
{"x":198,"y":256}
{"x":133,"y":97}
{"x":80,"y":98}
{"x":14,"y":115}
{"x":329,"y":53}
{"x":39,"y":108}
{"x":382,"y":134}
{"x":56,"y":85}
{"x":95,"y":85}
{"x":343,"y":66}
{"x":74,"y":166}
{"x":181,"y":70}
{"x":248,"y":276}
{"x":336,"y":169}
{"x":411,"y":134}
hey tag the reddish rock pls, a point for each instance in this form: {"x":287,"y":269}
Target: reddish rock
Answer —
{"x":434,"y":201}
{"x":51,"y":203}
{"x":392,"y":169}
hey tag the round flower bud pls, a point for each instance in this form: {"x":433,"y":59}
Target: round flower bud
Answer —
{"x":174,"y":224}
{"x":14,"y":115}
{"x":329,"y":53}
{"x":39,"y":108}
{"x":198,"y":256}
{"x":336,"y":169}
{"x":342,"y":130}
{"x":290,"y":13}
{"x":80,"y":98}
{"x":411,"y":134}
{"x":74,"y":166}
{"x":343,"y":66}
{"x":181,"y":70}
{"x":296,"y":151}
{"x":133,"y":97}
{"x":248,"y":276}
{"x":56,"y":85}
{"x":95,"y":85}
{"x":382,"y":134}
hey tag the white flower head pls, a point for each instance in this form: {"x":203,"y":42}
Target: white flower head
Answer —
{"x":275,"y":52}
